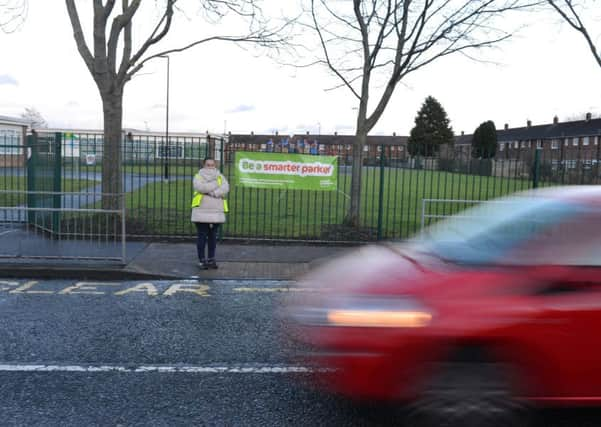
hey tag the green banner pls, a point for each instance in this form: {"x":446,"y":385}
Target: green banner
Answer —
{"x":286,"y":171}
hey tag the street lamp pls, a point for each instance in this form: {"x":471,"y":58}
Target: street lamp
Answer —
{"x":166,"y":147}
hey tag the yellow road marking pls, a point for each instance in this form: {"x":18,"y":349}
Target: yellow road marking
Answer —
{"x":5,"y":283}
{"x":272,"y":289}
{"x":24,"y":289}
{"x":86,"y":288}
{"x":187,"y":287}
{"x":147,"y":287}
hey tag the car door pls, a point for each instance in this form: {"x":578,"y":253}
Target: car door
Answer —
{"x":566,"y":329}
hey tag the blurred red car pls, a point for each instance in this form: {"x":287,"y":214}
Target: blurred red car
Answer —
{"x":480,"y":316}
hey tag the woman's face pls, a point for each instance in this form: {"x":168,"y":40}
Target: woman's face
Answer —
{"x":210,"y":164}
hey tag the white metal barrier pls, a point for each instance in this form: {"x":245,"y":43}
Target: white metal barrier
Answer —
{"x":77,"y":230}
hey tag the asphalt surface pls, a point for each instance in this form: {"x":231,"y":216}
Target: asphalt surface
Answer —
{"x":164,"y":353}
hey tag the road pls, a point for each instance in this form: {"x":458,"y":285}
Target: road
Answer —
{"x":164,"y":353}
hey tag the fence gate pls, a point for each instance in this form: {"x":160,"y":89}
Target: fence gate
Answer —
{"x":38,"y":219}
{"x":44,"y":168}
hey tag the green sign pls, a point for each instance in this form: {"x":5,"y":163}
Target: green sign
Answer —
{"x":286,"y":171}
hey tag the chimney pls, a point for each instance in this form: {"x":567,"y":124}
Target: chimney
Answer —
{"x":335,"y":133}
{"x":393,"y":133}
{"x":462,"y":133}
{"x":307,"y":132}
{"x":252,"y":133}
{"x":276,"y":132}
{"x":555,"y":120}
{"x":506,"y":126}
{"x":528,"y":123}
{"x":588,"y":117}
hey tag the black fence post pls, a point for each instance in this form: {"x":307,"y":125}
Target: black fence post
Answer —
{"x":31,"y":170}
{"x":381,"y":194}
{"x":536,"y":168}
{"x":222,"y":172}
{"x":56,"y":188}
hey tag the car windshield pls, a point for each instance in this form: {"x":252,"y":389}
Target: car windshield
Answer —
{"x":485,"y":233}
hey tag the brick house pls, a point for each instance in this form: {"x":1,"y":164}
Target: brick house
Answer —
{"x":332,"y":145}
{"x":575,"y":140}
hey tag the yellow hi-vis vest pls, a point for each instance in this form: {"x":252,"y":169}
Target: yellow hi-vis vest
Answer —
{"x":197,"y":197}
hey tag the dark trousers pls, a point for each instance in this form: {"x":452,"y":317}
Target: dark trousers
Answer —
{"x":206,"y":232}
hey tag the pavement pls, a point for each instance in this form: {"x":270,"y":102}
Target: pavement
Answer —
{"x":167,"y":260}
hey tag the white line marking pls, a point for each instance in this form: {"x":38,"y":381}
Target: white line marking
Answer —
{"x":233,"y":369}
{"x":6,"y":232}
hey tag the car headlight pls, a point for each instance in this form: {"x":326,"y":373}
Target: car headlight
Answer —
{"x":366,"y":312}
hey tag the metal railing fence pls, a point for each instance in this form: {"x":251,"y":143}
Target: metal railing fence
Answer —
{"x":157,"y":183}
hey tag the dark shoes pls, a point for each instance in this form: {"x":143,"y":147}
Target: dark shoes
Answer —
{"x":208,"y":264}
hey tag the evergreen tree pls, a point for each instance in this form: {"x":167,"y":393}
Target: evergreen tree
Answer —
{"x":484,"y":141}
{"x":431,"y":129}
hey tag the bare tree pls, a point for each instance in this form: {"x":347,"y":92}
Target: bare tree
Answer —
{"x":111,"y":74}
{"x":370,"y":46}
{"x":12,"y":15}
{"x":572,"y":14}
{"x":34,"y":118}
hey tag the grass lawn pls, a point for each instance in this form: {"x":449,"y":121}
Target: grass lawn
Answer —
{"x":153,"y":169}
{"x":164,"y":208}
{"x":19,"y":183}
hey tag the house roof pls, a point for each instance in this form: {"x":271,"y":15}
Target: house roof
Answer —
{"x":136,"y":132}
{"x":547,"y":131}
{"x":6,"y":120}
{"x":321,"y":139}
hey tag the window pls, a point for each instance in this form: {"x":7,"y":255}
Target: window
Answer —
{"x":10,"y":141}
{"x":516,"y":144}
{"x":555,"y":144}
{"x":575,"y":142}
{"x":565,"y":142}
{"x":501,"y":146}
{"x":171,"y":151}
{"x":585,"y":140}
{"x":539,"y":144}
{"x":597,"y":140}
{"x":492,"y":230}
{"x":572,"y":234}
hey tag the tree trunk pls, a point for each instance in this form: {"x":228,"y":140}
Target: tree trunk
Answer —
{"x":352,"y":216}
{"x":112,"y":106}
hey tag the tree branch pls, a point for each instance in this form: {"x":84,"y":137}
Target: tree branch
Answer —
{"x":153,"y":39}
{"x":82,"y":47}
{"x":119,"y":23}
{"x":578,"y":26}
{"x":326,"y":54}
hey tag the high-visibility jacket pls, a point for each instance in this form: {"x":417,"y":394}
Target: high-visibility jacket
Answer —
{"x":197,"y":197}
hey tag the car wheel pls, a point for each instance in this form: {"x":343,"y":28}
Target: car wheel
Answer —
{"x":467,"y":394}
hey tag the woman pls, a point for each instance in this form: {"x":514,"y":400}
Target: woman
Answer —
{"x":209,"y":207}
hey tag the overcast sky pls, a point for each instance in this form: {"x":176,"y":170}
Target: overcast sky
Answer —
{"x":545,"y":71}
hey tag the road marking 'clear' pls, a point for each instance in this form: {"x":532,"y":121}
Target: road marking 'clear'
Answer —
{"x":231,"y":369}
